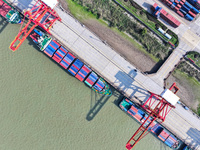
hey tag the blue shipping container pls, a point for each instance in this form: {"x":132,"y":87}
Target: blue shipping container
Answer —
{"x":181,"y":10}
{"x":185,"y":8}
{"x":188,"y":17}
{"x":188,"y":5}
{"x":196,"y":11}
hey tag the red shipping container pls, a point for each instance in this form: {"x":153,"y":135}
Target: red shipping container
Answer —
{"x":154,"y":6}
{"x":169,"y":3}
{"x":192,"y":14}
{"x":180,"y":13}
{"x":164,"y":134}
{"x":176,"y":1}
{"x":176,"y":9}
{"x":183,"y":1}
{"x":137,"y":117}
{"x":178,"y":5}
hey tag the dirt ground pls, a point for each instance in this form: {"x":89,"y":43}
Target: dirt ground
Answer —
{"x":124,"y":47}
{"x":186,"y":93}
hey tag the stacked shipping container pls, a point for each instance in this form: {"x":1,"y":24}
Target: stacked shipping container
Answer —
{"x":99,"y":85}
{"x":139,"y":115}
{"x":75,"y":67}
{"x":59,"y":54}
{"x":160,"y":12}
{"x":182,"y":8}
{"x":67,"y":60}
{"x":83,"y":72}
{"x":51,"y":48}
{"x":91,"y":79}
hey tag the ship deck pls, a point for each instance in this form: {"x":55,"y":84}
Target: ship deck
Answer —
{"x":4,"y":8}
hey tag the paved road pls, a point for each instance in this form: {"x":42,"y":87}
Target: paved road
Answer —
{"x":118,"y":72}
{"x":189,"y":39}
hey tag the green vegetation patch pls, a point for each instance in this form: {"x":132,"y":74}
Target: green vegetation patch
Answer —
{"x":79,"y":12}
{"x":114,"y":16}
{"x":194,"y":57}
{"x":148,"y":20}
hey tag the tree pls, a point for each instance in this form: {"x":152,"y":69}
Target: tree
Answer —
{"x":144,"y":31}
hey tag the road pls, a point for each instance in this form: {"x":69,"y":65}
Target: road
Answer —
{"x":118,"y":72}
{"x":189,"y":39}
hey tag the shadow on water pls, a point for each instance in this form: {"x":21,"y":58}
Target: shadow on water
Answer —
{"x":3,"y":23}
{"x":163,"y":146}
{"x":194,"y":137}
{"x":98,"y":101}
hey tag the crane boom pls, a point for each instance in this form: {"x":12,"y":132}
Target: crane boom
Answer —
{"x":40,"y":15}
{"x":158,"y":108}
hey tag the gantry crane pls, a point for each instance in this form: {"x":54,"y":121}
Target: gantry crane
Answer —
{"x":41,"y":14}
{"x":157,"y":106}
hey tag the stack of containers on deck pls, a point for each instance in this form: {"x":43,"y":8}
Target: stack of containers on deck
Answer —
{"x":83,"y":72}
{"x":67,"y":60}
{"x":75,"y":67}
{"x":133,"y":111}
{"x":59,"y":54}
{"x":159,"y":11}
{"x":4,"y":8}
{"x":125,"y":104}
{"x":51,"y":48}
{"x":157,"y":129}
{"x":91,"y":79}
{"x":99,"y":85}
{"x":183,"y":8}
{"x":140,"y":114}
{"x":171,"y":140}
{"x":163,"y":135}
{"x":148,"y":121}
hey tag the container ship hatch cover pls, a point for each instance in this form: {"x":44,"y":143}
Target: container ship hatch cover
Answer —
{"x":9,"y":13}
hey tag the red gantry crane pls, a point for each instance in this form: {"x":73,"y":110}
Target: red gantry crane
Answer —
{"x":41,"y":14}
{"x":158,"y":106}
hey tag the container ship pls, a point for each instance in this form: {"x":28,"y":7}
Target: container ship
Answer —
{"x":69,"y":62}
{"x":9,"y":13}
{"x":155,"y":128}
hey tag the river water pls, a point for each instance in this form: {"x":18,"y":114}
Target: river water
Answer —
{"x":42,"y":107}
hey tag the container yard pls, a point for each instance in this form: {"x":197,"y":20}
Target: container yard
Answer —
{"x":160,"y":12}
{"x":183,"y":8}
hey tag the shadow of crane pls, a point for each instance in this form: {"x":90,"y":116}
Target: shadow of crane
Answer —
{"x":3,"y":24}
